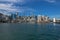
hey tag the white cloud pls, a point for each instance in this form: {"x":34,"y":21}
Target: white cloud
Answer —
{"x":51,"y":1}
{"x":20,"y":2}
{"x":13,"y":1}
{"x":7,"y":7}
{"x":8,"y":0}
{"x":10,"y":8}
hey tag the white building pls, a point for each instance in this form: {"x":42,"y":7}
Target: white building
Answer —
{"x":46,"y":18}
{"x":54,"y":19}
{"x":32,"y":19}
{"x":28,"y":19}
{"x":39,"y":18}
{"x":42,"y":18}
{"x":5,"y":18}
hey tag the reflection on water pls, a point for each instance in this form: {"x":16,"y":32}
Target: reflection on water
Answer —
{"x":29,"y":31}
{"x":54,"y":24}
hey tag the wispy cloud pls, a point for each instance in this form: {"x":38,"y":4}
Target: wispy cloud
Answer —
{"x":7,"y":8}
{"x":11,"y":0}
{"x":51,"y":1}
{"x":10,"y":5}
{"x":14,"y":1}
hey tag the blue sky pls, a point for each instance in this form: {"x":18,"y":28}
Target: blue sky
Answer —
{"x":42,"y":7}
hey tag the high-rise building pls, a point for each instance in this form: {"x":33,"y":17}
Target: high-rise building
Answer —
{"x":1,"y":16}
{"x":13,"y":16}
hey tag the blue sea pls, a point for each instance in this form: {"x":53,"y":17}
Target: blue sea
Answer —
{"x":29,"y":31}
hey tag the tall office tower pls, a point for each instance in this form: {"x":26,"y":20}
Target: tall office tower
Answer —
{"x":14,"y":16}
{"x":1,"y":15}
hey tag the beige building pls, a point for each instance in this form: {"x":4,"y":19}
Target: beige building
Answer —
{"x":39,"y":18}
{"x":42,"y":18}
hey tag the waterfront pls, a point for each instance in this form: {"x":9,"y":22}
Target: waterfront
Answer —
{"x":27,"y":31}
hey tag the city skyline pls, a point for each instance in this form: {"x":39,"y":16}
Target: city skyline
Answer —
{"x":42,"y":7}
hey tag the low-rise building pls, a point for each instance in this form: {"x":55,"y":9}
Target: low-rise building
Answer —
{"x":54,"y":20}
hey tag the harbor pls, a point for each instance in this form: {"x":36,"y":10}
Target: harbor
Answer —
{"x":25,"y":31}
{"x":15,"y":18}
{"x":29,"y":19}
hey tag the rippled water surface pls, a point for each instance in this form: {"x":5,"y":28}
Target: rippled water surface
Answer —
{"x":30,"y":31}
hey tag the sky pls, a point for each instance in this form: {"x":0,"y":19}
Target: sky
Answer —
{"x":50,"y":8}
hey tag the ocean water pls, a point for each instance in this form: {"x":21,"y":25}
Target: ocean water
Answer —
{"x":26,"y":31}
